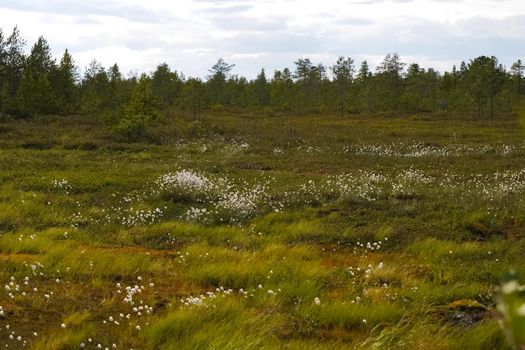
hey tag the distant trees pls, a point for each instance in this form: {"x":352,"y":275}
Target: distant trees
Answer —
{"x":217,"y":81}
{"x":516,"y":70}
{"x":389,"y":82}
{"x":309,"y":78}
{"x":166,"y":84}
{"x":448,"y":91}
{"x":421,"y":89}
{"x":192,"y":97}
{"x":283,"y":91}
{"x":35,"y":93}
{"x":141,"y":110}
{"x":484,"y":79}
{"x":364,"y":99}
{"x":37,"y":84}
{"x":12,"y":68}
{"x":95,"y":90}
{"x":343,"y":72}
{"x":66,"y":84}
{"x":261,"y":90}
{"x":118,"y":89}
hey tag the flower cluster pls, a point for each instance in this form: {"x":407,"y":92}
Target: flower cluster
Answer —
{"x":62,"y":185}
{"x":419,"y":149}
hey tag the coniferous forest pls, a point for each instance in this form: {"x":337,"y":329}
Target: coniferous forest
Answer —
{"x":34,"y":83}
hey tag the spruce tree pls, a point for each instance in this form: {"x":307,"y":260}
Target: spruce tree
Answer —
{"x":14,"y":63}
{"x":35,"y":94}
{"x":142,"y":109}
{"x":260,"y":85}
{"x":65,"y":83}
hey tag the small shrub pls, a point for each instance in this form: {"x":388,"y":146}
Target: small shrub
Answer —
{"x":131,"y":128}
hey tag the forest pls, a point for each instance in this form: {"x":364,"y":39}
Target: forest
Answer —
{"x":36,"y":84}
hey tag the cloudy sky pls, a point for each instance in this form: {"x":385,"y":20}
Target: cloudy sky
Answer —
{"x":191,"y":35}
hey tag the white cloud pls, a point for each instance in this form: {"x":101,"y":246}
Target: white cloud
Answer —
{"x":191,"y":34}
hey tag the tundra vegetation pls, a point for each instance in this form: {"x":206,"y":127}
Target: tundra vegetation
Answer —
{"x":300,"y":212}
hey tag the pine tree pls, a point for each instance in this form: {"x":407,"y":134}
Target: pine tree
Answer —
{"x":389,"y":82}
{"x":414,"y":92}
{"x":166,"y":84}
{"x":192,"y":97}
{"x":517,"y":69}
{"x":219,"y":73}
{"x":343,"y":71}
{"x":14,"y":61}
{"x":95,"y":92}
{"x":309,"y":78}
{"x":283,"y":91}
{"x":35,"y":94}
{"x":484,"y":80}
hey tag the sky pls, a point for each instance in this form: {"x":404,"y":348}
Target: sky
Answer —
{"x":191,"y":35}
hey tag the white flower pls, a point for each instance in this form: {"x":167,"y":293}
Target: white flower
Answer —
{"x":317,"y":301}
{"x":63,"y":325}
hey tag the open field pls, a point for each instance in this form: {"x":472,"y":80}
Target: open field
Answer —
{"x":245,"y":232}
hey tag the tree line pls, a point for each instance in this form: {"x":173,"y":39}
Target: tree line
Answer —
{"x":35,"y":83}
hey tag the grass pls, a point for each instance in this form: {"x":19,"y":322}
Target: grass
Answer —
{"x":359,"y":232}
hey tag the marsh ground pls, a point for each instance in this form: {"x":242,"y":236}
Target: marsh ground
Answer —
{"x":245,"y":232}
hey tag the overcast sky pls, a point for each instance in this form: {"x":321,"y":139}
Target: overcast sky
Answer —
{"x":191,"y":35}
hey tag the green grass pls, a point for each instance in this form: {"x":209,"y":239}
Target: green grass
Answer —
{"x":336,"y":233}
